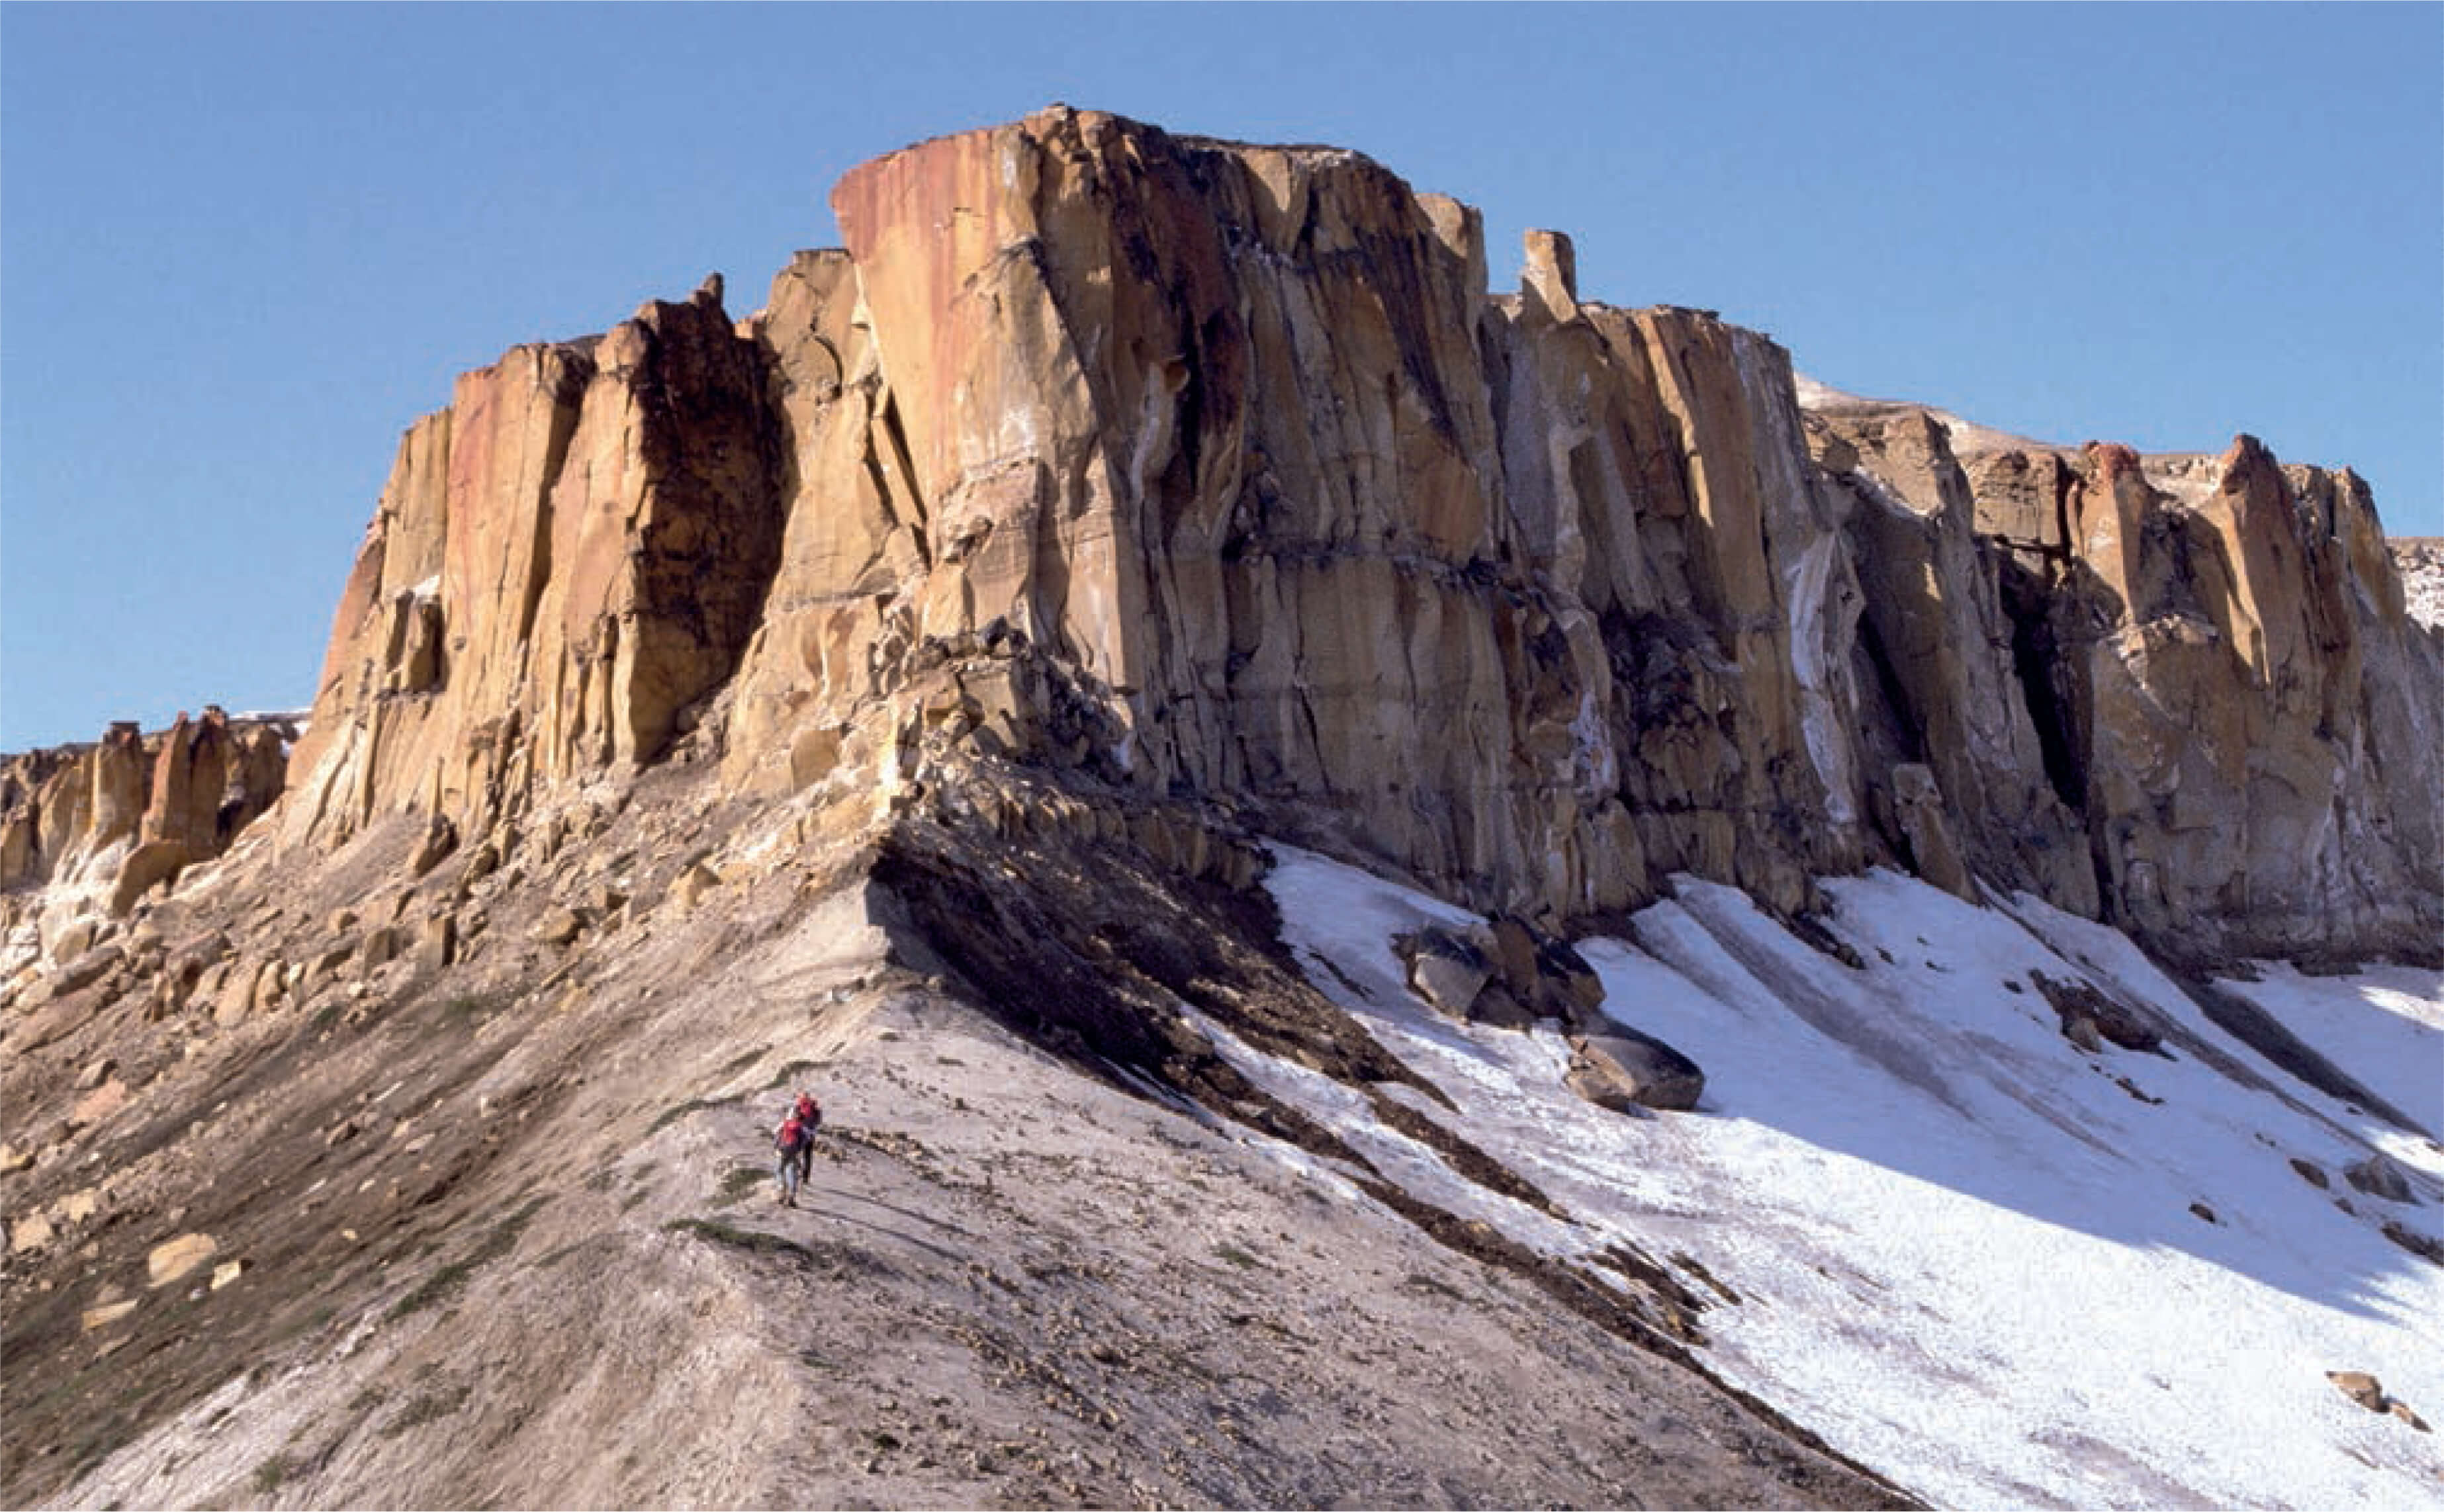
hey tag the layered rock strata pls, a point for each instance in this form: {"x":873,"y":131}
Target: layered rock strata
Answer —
{"x":1212,"y":471}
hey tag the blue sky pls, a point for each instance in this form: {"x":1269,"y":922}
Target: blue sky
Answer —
{"x":242,"y":249}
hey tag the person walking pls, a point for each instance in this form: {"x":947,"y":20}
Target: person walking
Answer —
{"x":791,"y":1144}
{"x":810,"y":1115}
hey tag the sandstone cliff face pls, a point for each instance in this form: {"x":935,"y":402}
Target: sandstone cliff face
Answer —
{"x":2214,"y":671}
{"x":563,"y":563}
{"x":1213,"y":471}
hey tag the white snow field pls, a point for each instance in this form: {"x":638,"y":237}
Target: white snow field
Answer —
{"x":1964,"y":1251}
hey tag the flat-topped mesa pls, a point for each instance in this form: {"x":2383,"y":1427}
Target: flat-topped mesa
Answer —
{"x":1214,"y":470}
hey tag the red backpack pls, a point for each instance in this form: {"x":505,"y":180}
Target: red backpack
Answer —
{"x":791,"y":1137}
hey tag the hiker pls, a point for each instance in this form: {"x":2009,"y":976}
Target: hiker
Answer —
{"x":792,"y":1144}
{"x":810,"y":1115}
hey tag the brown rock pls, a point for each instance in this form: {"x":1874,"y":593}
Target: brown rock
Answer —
{"x":558,"y":926}
{"x":148,"y":866}
{"x":589,"y":529}
{"x":87,"y":969}
{"x":1919,"y":813}
{"x":1622,"y":1069}
{"x":1547,"y":600}
{"x":440,"y":839}
{"x":2106,"y":1018}
{"x":693,"y":884}
{"x":1447,"y":971}
{"x":381,"y":946}
{"x":2360,"y":1387}
{"x":100,"y":1104}
{"x":2380,"y":1177}
{"x":2426,"y":1247}
{"x":436,"y":943}
{"x":174,"y":1259}
{"x":28,"y":1231}
{"x":103,"y":1314}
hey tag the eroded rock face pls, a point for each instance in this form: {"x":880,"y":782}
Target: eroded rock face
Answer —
{"x":2253,"y":714}
{"x":85,"y":830}
{"x":2200,"y":667}
{"x":1214,"y":470}
{"x":563,"y":562}
{"x":1235,"y":431}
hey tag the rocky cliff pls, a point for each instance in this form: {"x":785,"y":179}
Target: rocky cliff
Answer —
{"x":905,"y":689}
{"x":1213,"y":471}
{"x":96,"y":826}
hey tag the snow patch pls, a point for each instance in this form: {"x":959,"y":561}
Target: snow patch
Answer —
{"x":1966,"y":1252}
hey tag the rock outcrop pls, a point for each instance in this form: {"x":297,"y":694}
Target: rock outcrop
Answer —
{"x":563,"y":563}
{"x":2207,"y":659}
{"x":1213,"y":471}
{"x":87,"y":830}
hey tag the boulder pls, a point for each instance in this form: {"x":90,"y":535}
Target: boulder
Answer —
{"x":381,"y":946}
{"x":1622,"y":1069}
{"x":28,"y":1231}
{"x":148,"y":866}
{"x":2380,"y":1177}
{"x":1446,"y":970}
{"x":87,"y":969}
{"x":1919,"y":813}
{"x":100,"y":1104}
{"x":1546,"y":977}
{"x":694,"y":883}
{"x":2360,"y":1387}
{"x":2088,"y":1016}
{"x":174,"y":1259}
{"x":441,"y":837}
{"x":436,"y":943}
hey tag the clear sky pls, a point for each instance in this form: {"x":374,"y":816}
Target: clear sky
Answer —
{"x":242,"y":249}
